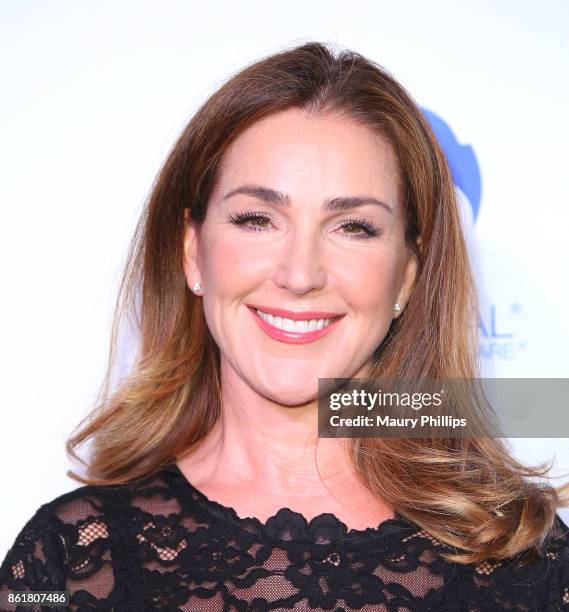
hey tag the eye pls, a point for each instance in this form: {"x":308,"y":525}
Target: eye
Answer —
{"x":259,"y":221}
{"x":369,"y":230}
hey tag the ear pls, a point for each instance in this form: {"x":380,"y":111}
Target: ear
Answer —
{"x":409,"y":278}
{"x":190,"y":248}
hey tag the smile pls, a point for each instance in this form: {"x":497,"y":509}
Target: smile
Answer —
{"x":304,"y":327}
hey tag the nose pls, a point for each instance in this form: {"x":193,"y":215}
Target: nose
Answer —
{"x":300,"y":268}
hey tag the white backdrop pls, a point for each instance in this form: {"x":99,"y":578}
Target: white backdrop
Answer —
{"x":94,"y":94}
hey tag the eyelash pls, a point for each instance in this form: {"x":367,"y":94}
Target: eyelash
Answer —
{"x":240,"y":218}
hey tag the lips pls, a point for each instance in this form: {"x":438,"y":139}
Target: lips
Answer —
{"x":294,"y":336}
{"x":298,"y":315}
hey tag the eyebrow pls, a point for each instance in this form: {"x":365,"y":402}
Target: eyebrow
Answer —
{"x":278,"y":198}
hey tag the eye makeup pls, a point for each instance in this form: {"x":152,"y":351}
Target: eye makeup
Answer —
{"x":244,"y":217}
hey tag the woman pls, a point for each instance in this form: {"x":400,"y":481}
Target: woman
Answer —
{"x":304,"y":226}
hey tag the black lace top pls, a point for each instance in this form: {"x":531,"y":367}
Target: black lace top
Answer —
{"x":158,"y":543}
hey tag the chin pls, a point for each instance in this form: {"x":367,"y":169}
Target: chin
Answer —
{"x":292,"y":398}
{"x":291,"y":393}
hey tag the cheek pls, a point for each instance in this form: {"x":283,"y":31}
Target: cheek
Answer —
{"x":231,"y":266}
{"x":370,"y":282}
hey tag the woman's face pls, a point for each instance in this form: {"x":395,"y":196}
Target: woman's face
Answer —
{"x":282,"y":232}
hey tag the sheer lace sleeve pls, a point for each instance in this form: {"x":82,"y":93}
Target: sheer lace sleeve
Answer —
{"x":34,"y":561}
{"x":541,"y":586}
{"x":66,"y":546}
{"x":557,"y":552}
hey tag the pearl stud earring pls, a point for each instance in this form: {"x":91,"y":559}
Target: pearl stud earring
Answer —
{"x":196,"y":287}
{"x":397,"y":307}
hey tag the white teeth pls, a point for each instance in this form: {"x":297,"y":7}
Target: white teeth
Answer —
{"x":287,"y":324}
{"x":301,"y":327}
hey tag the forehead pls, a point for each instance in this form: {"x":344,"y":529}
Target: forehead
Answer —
{"x":319,"y":156}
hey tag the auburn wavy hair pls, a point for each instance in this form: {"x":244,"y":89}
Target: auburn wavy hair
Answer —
{"x":474,"y":496}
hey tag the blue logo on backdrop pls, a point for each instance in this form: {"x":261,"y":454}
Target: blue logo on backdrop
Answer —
{"x":496,"y":337}
{"x":461,"y":159}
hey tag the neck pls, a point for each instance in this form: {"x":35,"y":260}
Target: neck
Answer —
{"x":261,"y":456}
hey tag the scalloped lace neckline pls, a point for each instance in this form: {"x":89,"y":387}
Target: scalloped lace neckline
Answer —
{"x":288,"y":524}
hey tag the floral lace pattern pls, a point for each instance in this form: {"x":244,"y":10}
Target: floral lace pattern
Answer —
{"x":158,"y":543}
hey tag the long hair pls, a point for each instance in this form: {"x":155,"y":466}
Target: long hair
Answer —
{"x":474,"y":495}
